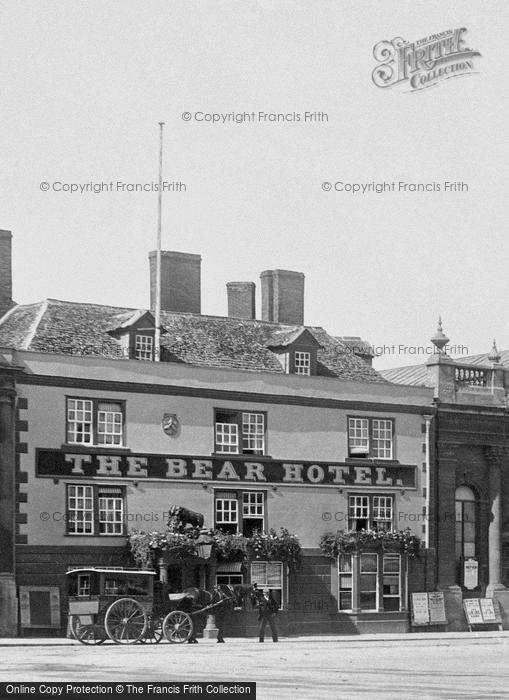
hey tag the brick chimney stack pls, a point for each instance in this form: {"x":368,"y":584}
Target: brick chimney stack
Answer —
{"x":180,"y":281}
{"x":283,"y":296}
{"x":5,"y":272}
{"x":241,"y":299}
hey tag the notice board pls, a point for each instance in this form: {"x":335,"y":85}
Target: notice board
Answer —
{"x":428,"y":609}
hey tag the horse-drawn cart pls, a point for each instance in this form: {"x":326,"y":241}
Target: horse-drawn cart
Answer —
{"x":122,"y":605}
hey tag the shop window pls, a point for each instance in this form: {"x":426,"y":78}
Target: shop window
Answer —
{"x":93,"y":422}
{"x":269,"y":574}
{"x":239,"y":432}
{"x":240,"y":512}
{"x":375,"y":584}
{"x":370,"y":512}
{"x":370,"y":437}
{"x":466,"y":512}
{"x":95,"y":510}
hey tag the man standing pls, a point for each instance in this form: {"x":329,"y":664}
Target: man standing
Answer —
{"x":267,"y":610}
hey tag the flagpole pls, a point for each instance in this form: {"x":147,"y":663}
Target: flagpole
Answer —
{"x":157,"y":335}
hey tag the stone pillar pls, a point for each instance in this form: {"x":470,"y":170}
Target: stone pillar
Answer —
{"x":495,"y":525}
{"x":8,"y":598}
{"x":163,"y":571}
{"x":445,"y":515}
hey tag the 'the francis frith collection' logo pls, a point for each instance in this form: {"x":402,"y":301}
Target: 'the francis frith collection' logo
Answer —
{"x":425,"y":62}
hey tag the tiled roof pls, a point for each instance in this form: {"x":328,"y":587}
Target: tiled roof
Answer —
{"x":82,"y":329}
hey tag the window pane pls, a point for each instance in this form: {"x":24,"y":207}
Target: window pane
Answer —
{"x":469,"y":511}
{"x":358,"y":437}
{"x":79,"y":510}
{"x":302,"y":362}
{"x":369,"y":563}
{"x":109,"y":424}
{"x":79,"y":421}
{"x":144,"y":347}
{"x":253,"y":433}
{"x":368,"y":582}
{"x":227,"y":438}
{"x":368,"y":601}
{"x":381,"y":438}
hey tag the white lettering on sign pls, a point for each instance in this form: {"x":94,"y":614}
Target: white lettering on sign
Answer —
{"x":136,"y":465}
{"x":381,"y":479}
{"x":202,"y":469}
{"x":339,"y":473}
{"x":77,"y":462}
{"x":315,"y":474}
{"x":363,"y":475}
{"x":254,"y":472}
{"x":228,"y":472}
{"x":109,"y":466}
{"x":177,"y":468}
{"x":293,"y":472}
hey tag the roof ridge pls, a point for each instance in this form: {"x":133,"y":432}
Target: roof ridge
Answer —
{"x":8,"y":313}
{"x":33,"y":329}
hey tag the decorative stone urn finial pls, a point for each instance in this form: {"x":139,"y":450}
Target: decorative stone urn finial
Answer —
{"x":440,"y":340}
{"x":494,"y":355}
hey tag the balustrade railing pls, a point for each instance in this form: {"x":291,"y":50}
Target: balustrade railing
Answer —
{"x":471,"y":377}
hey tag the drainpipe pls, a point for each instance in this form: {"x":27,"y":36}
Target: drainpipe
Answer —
{"x":428,"y":420}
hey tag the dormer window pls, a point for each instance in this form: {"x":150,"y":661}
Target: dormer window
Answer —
{"x":143,"y":347}
{"x":296,"y":349}
{"x":302,"y":362}
{"x":135,"y":333}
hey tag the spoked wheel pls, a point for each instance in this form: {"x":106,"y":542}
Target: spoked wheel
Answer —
{"x":177,"y":627}
{"x":154,"y":631}
{"x":87,"y":634}
{"x":125,"y":621}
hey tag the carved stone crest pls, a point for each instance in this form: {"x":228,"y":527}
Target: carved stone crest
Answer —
{"x":170,"y":424}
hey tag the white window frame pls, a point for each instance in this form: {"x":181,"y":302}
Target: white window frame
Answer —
{"x":143,"y":347}
{"x":377,"y":510}
{"x":110,"y":510}
{"x":95,"y":422}
{"x":79,"y":421}
{"x":95,"y":510}
{"x":349,"y":582}
{"x":243,"y":505}
{"x":371,"y":438}
{"x":226,"y":509}
{"x":243,"y":433}
{"x":302,"y":362}
{"x":78,"y":523}
{"x":259,"y":574}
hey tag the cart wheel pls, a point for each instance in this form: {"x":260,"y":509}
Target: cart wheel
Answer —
{"x":177,"y":627}
{"x":87,"y":634}
{"x":154,"y":631}
{"x":125,"y":621}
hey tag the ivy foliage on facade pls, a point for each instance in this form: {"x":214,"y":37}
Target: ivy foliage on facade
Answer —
{"x":333,"y":544}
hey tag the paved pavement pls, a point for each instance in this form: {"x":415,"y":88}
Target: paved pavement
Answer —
{"x":408,"y":638}
{"x":426,"y":666}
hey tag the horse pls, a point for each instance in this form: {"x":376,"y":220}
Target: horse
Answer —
{"x":222,"y":599}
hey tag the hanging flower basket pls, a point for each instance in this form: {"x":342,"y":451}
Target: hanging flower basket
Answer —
{"x":333,"y":544}
{"x":148,"y":547}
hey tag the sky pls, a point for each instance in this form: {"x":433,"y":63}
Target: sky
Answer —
{"x":84,"y":86}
